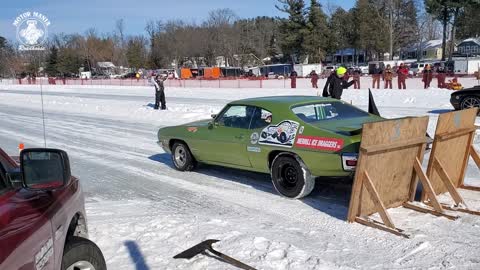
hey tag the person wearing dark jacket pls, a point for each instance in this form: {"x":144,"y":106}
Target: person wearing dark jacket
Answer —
{"x":427,"y":76}
{"x":376,"y":75}
{"x":159,"y":92}
{"x":336,"y":83}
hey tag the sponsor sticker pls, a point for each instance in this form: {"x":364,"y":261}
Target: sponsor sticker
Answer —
{"x":254,"y":138}
{"x":254,"y":149}
{"x":319,"y":143}
{"x":300,"y":131}
{"x":192,"y":129}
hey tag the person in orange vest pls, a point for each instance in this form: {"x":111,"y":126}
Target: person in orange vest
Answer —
{"x":402,"y":73}
{"x":376,"y":73}
{"x":441,"y":76}
{"x":427,"y":76}
{"x":388,"y":77}
{"x":356,"y":79}
{"x":293,"y":79}
{"x":314,"y":79}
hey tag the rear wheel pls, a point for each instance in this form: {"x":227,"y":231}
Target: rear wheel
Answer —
{"x":470,"y":102}
{"x":182,"y":157}
{"x":82,"y":254}
{"x":291,"y":178}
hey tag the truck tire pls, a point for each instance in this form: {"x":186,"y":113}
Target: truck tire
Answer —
{"x":291,"y":178}
{"x":80,"y":253}
{"x":182,"y":157}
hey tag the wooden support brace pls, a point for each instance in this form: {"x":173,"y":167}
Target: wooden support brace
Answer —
{"x":378,"y":202}
{"x":393,"y":146}
{"x":458,"y":133}
{"x":463,"y":210}
{"x":427,"y":186}
{"x":448,"y":182}
{"x":476,"y":158}
{"x":428,"y":211}
{"x":380,"y":226}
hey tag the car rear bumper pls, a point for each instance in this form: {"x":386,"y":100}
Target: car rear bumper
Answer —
{"x":165,"y":146}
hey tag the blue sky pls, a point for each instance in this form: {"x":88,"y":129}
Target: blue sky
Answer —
{"x":80,"y":15}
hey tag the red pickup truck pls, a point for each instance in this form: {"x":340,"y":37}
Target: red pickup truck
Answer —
{"x":42,"y":214}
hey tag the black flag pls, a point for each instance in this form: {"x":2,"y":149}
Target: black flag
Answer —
{"x":372,"y":108}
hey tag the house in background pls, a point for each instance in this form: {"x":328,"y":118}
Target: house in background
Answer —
{"x":427,"y":50}
{"x":349,"y":57}
{"x":469,"y":47}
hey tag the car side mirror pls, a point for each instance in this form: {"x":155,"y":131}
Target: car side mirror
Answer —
{"x":44,"y":169}
{"x":214,"y":116}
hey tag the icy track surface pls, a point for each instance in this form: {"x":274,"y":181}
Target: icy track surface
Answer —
{"x":141,"y":212}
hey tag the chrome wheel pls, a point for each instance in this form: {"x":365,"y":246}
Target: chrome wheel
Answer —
{"x":470,"y":102}
{"x":81,"y":265}
{"x":180,"y":156}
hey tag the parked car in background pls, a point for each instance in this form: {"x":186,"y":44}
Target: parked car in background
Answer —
{"x":293,"y":138}
{"x":417,"y":68}
{"x":466,"y":98}
{"x":42,"y":214}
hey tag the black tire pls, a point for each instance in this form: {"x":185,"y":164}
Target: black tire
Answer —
{"x":182,"y":158}
{"x":81,"y":251}
{"x":291,"y":178}
{"x":470,"y":102}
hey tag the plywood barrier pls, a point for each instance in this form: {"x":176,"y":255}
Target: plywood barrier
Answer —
{"x":389,"y":164}
{"x":452,"y":147}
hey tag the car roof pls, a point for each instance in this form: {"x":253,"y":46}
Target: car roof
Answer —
{"x":283,"y":101}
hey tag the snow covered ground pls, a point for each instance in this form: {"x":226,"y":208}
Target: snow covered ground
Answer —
{"x":141,"y":212}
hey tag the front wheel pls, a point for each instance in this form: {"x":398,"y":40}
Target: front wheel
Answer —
{"x":82,"y":254}
{"x":470,"y":102}
{"x":291,"y":178}
{"x":182,"y":157}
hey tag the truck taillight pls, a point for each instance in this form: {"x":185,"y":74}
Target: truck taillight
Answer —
{"x":349,"y":161}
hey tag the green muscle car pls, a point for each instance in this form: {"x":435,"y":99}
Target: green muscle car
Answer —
{"x":294,"y":138}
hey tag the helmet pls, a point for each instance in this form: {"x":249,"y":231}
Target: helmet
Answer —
{"x":341,"y":71}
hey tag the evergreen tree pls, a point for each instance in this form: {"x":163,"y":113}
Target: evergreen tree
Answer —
{"x":294,"y":29}
{"x":342,"y":30}
{"x":469,"y":22}
{"x":318,"y":33}
{"x":51,"y":68}
{"x":136,"y":52}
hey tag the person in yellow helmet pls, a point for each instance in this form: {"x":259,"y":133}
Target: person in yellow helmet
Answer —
{"x":336,"y":83}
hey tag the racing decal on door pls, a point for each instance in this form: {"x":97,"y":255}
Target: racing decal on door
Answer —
{"x":254,"y":138}
{"x":283,"y":134}
{"x":45,"y":253}
{"x":319,"y":143}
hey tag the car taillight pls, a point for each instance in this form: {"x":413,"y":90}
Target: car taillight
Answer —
{"x":349,"y":161}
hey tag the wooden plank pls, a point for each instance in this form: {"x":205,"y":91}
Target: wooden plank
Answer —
{"x":466,"y":157}
{"x":475,"y":156}
{"x":367,"y":182}
{"x":472,"y":188}
{"x":463,"y":210}
{"x":414,"y":180}
{"x":458,"y":133}
{"x":380,"y":226}
{"x":355,"y":198}
{"x":375,"y":149}
{"x":427,"y":186}
{"x":428,"y":211}
{"x":448,"y":182}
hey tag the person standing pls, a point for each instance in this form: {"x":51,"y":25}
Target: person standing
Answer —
{"x":427,"y":76}
{"x":293,"y":79}
{"x":388,"y":77}
{"x":314,"y":79}
{"x":159,"y":93}
{"x":356,"y":78}
{"x":402,"y":73}
{"x":441,"y":76}
{"x":376,"y":73}
{"x":336,"y":83}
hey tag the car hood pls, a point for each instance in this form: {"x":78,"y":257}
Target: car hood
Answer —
{"x":199,"y":123}
{"x":466,"y":91}
{"x":349,"y":127}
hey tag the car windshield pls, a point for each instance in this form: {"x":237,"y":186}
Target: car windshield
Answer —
{"x":327,"y":111}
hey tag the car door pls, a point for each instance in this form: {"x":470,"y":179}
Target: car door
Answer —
{"x":25,"y":231}
{"x":227,"y":138}
{"x":261,"y":119}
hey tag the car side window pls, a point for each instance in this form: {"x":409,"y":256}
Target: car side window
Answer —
{"x":260,"y":118}
{"x":236,"y":116}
